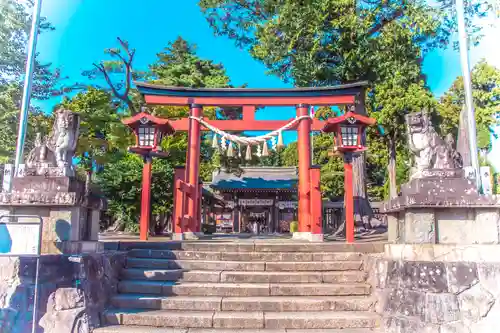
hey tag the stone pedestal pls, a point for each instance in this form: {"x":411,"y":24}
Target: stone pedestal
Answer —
{"x":70,"y":217}
{"x":442,"y":206}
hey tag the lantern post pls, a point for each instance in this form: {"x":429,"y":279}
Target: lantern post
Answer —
{"x":349,"y":139}
{"x":149,"y":131}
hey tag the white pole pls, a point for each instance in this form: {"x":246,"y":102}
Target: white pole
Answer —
{"x":469,"y":103}
{"x":28,"y":81}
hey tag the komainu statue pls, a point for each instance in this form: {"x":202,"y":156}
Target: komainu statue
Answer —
{"x":430,"y":151}
{"x":40,"y":155}
{"x":64,"y":136}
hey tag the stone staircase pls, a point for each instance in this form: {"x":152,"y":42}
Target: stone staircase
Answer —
{"x":269,"y":287}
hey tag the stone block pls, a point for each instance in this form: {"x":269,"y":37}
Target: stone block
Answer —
{"x":461,"y":276}
{"x":352,"y":303}
{"x":140,"y":287}
{"x":146,"y":329}
{"x":415,"y":275}
{"x":65,"y":321}
{"x":344,"y":277}
{"x":407,"y":325}
{"x":187,"y":303}
{"x":441,"y":308}
{"x":321,"y":289}
{"x":489,"y":219}
{"x":218,"y":247}
{"x":419,"y":226}
{"x":406,"y":303}
{"x":314,"y":266}
{"x":336,"y":256}
{"x":380,"y":273}
{"x":276,"y":304}
{"x":320,"y":320}
{"x":489,"y":275}
{"x":238,"y":320}
{"x":171,"y":275}
{"x":392,"y":227}
{"x":467,"y":226}
{"x":271,"y":277}
{"x":67,"y":298}
{"x":216,"y":289}
{"x":382,"y":297}
{"x":168,"y":318}
{"x":475,"y":303}
{"x":456,"y":327}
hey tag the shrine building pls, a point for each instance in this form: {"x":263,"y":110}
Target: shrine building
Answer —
{"x":266,"y":195}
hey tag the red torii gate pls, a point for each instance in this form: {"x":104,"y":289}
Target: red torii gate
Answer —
{"x":187,"y":217}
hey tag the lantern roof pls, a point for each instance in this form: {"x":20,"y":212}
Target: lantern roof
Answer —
{"x":346,"y":118}
{"x":144,"y":118}
{"x":256,"y":178}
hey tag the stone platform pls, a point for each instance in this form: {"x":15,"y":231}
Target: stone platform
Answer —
{"x":438,"y":288}
{"x":243,"y":286}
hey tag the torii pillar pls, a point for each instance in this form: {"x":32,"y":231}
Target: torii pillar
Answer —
{"x":304,"y":191}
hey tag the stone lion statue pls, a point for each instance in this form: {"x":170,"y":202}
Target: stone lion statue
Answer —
{"x":64,"y":136}
{"x":40,"y":155}
{"x":430,"y":151}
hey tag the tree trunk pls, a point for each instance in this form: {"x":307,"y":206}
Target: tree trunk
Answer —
{"x":88,"y":181}
{"x":391,"y":168}
{"x":363,"y":212}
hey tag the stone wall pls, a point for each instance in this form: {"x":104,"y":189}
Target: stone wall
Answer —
{"x":438,"y":288}
{"x":73,"y":291}
{"x":440,"y":225}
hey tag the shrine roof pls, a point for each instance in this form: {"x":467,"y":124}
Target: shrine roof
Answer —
{"x":157,"y":89}
{"x":260,"y":178}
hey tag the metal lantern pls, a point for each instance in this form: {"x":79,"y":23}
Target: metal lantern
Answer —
{"x":349,"y":137}
{"x":349,"y":131}
{"x":149,"y":131}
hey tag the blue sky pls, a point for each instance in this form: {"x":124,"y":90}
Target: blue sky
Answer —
{"x":84,"y":28}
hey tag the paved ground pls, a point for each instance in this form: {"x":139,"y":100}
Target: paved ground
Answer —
{"x":369,"y":236}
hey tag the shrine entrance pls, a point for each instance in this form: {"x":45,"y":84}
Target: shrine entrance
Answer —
{"x":187,"y":193}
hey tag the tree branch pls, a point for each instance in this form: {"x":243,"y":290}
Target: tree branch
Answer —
{"x":379,"y":26}
{"x":255,"y":12}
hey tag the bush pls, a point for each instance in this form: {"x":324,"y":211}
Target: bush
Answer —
{"x":294,"y":226}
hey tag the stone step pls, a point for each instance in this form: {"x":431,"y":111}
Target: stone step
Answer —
{"x":293,"y":277}
{"x":248,"y":320}
{"x":275,"y":303}
{"x":150,"y":329}
{"x":170,"y":275}
{"x":242,"y":277}
{"x":241,"y":289}
{"x":207,"y":265}
{"x":244,"y":256}
{"x":248,"y":246}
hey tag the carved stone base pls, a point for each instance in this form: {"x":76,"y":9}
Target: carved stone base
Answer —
{"x":47,"y":184}
{"x":48,"y":171}
{"x":39,"y":198}
{"x":439,"y":188}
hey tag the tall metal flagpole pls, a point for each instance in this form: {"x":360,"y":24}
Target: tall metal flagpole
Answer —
{"x":28,"y":81}
{"x":469,"y":102}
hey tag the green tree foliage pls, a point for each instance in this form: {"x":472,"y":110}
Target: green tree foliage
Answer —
{"x":486,"y":95}
{"x":123,"y":188}
{"x":15,"y":25}
{"x":179,"y":65}
{"x":101,"y":132}
{"x":325,"y":42}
